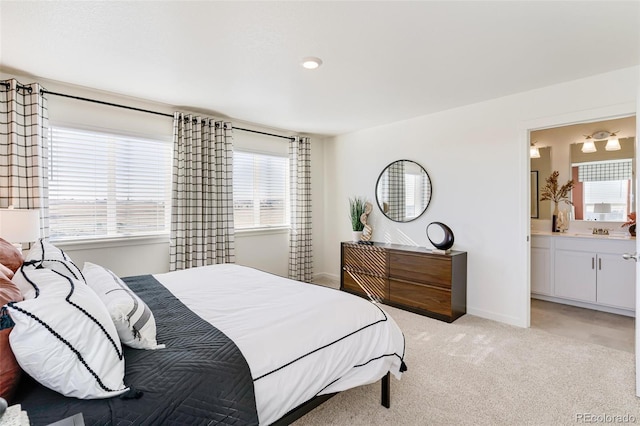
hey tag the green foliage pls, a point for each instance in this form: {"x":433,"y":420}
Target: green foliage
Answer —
{"x":356,"y":209}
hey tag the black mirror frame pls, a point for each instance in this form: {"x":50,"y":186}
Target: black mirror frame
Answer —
{"x":430,"y":193}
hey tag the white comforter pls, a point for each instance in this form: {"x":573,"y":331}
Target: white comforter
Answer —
{"x":300,"y":340}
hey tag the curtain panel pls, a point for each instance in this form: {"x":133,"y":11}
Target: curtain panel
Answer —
{"x":202,"y":228}
{"x":392,"y":190}
{"x":300,"y":241}
{"x":24,"y":149}
{"x":605,"y":171}
{"x":397,"y":209}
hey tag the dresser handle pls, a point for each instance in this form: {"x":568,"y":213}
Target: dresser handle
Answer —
{"x":593,"y":263}
{"x":600,"y":264}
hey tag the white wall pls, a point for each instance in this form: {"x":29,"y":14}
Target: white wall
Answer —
{"x":267,"y":251}
{"x":477,"y":158}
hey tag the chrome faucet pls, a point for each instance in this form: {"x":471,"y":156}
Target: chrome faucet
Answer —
{"x":600,"y":231}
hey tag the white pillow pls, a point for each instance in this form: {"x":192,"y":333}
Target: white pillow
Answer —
{"x":43,"y":254}
{"x":133,"y":319}
{"x":65,"y":339}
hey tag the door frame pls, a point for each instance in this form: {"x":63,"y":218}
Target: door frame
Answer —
{"x":526,"y":127}
{"x":597,"y":114}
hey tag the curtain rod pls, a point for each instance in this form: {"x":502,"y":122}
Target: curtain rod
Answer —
{"x":79,"y":98}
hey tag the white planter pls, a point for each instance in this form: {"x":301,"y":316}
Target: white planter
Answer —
{"x":356,"y":235}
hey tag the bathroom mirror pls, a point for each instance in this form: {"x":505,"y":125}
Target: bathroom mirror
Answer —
{"x":540,"y":169}
{"x":604,"y":186}
{"x":600,"y":192}
{"x":403,"y":191}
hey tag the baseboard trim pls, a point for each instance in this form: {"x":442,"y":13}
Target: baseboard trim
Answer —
{"x":333,"y":278}
{"x":506,"y":319}
{"x":586,"y":305}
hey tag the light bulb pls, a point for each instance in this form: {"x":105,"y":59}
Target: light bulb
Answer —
{"x":311,"y":62}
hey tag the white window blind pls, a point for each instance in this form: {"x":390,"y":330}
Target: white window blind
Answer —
{"x":260,"y":190}
{"x":612,"y":192}
{"x":106,"y":185}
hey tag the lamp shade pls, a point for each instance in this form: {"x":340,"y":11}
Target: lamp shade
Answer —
{"x":612,"y":145}
{"x":602,"y":208}
{"x":534,"y":152}
{"x":588,"y":147}
{"x":19,"y":225}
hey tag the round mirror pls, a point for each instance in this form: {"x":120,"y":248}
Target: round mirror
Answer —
{"x":403,"y":191}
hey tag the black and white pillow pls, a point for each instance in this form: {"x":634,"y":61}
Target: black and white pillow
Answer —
{"x":64,"y":338}
{"x":43,"y":254}
{"x":132,"y":317}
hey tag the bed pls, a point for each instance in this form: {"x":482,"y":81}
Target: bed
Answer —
{"x":241,"y":346}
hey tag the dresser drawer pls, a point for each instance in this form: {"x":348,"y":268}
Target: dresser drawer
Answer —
{"x":407,"y":277}
{"x":365,"y":259}
{"x":431,"y":270}
{"x":365,"y":284}
{"x":429,"y":298}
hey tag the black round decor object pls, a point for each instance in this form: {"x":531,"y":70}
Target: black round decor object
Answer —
{"x":447,"y":240}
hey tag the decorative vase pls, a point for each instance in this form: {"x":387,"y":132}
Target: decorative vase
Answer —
{"x":632,"y":230}
{"x":562,"y":222}
{"x":554,"y":220}
{"x":356,"y":236}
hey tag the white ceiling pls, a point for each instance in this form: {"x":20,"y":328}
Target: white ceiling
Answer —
{"x":383,"y":61}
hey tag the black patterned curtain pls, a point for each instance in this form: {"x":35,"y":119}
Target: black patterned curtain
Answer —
{"x":605,"y":170}
{"x":24,"y":147}
{"x":202,"y":228}
{"x":300,"y":241}
{"x":396,"y":190}
{"x":425,"y":184}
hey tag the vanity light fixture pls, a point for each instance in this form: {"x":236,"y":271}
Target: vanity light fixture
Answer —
{"x":613,"y":144}
{"x":588,"y":146}
{"x":311,"y":62}
{"x":533,"y":151}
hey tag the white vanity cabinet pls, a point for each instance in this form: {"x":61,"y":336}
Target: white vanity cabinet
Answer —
{"x":584,"y":271}
{"x":575,"y":275}
{"x":616,"y":281}
{"x":541,"y":265}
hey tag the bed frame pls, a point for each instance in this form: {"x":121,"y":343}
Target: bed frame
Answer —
{"x":306,"y":407}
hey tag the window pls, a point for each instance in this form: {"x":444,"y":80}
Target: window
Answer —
{"x":603,"y":190}
{"x":106,"y":185}
{"x":260,"y":190}
{"x":612,"y":195}
{"x":415,"y":197}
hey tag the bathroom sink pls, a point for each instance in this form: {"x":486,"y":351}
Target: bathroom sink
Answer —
{"x":592,"y":235}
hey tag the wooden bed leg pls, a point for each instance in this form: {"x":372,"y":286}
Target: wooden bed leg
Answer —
{"x":386,"y":390}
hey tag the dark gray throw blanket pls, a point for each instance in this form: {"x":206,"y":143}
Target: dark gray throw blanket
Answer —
{"x":200,"y":378}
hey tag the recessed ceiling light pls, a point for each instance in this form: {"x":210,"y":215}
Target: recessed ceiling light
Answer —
{"x":311,"y":62}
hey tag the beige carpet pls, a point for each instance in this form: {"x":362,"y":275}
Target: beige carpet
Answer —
{"x":480,"y":372}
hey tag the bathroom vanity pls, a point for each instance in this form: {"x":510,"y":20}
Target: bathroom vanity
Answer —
{"x":584,"y":270}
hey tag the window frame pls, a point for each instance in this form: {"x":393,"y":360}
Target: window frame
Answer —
{"x":266,"y":229}
{"x":98,"y":241}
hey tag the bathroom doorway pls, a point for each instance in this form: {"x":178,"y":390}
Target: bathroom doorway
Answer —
{"x":571,"y":294}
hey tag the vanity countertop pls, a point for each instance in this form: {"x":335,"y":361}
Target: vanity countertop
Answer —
{"x":586,"y":234}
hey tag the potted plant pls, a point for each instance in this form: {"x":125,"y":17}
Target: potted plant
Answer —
{"x":631,"y":223}
{"x":552,"y":192}
{"x":356,"y":209}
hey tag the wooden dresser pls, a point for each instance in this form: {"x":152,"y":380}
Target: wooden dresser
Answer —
{"x":407,"y":277}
